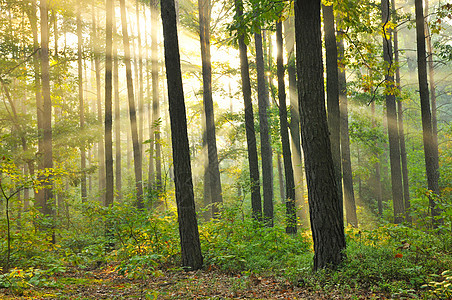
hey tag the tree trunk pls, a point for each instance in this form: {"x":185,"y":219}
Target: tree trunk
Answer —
{"x":46,"y":204}
{"x":266,"y":150}
{"x":188,"y":227}
{"x":294,"y":125}
{"x":347,"y":174}
{"x":324,"y":203}
{"x":430,"y":145}
{"x":377,"y":176}
{"x":256,"y":202}
{"x":81,"y":104}
{"x":391,"y":112}
{"x":155,"y":97}
{"x":132,"y":111}
{"x":332,"y":89}
{"x":291,"y":215}
{"x":118,"y":172}
{"x":403,"y":155}
{"x":109,"y":179}
{"x":213,"y":168}
{"x":140,"y":80}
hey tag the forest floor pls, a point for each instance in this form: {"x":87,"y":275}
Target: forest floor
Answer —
{"x":106,"y":283}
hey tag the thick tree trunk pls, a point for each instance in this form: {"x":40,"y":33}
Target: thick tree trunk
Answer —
{"x":332,"y":90}
{"x":188,"y":227}
{"x":291,"y":215}
{"x":266,"y":149}
{"x":430,"y":144}
{"x":256,"y":202}
{"x":109,"y":179}
{"x":213,"y":168}
{"x":347,"y":175}
{"x":391,"y":113}
{"x":132,"y":111}
{"x":324,"y":203}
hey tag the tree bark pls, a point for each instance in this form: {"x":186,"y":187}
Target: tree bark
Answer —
{"x":132,"y":111}
{"x":266,"y":150}
{"x":188,"y":227}
{"x":430,"y":145}
{"x":213,"y":168}
{"x":291,"y":215}
{"x":256,"y":202}
{"x":324,"y":203}
{"x":118,"y":172}
{"x":391,"y":112}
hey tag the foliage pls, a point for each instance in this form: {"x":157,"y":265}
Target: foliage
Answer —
{"x":441,"y":285}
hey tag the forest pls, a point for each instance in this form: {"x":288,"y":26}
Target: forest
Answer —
{"x":225,"y":149}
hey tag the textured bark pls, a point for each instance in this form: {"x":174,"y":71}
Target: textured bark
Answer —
{"x":81,"y":103}
{"x":347,"y":174}
{"x":109,"y":178}
{"x":140,"y":80}
{"x":391,"y":115}
{"x":291,"y":215}
{"x":132,"y":111}
{"x":332,"y":90}
{"x":213,"y":168}
{"x":403,"y":155}
{"x":188,"y":227}
{"x":256,"y":201}
{"x":266,"y":150}
{"x":430,"y":145}
{"x":324,"y":203}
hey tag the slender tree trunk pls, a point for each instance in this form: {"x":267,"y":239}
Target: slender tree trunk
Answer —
{"x":294,"y":125}
{"x":332,"y":89}
{"x":377,"y":176}
{"x":214,"y":172}
{"x":109,"y":178}
{"x":117,"y":101}
{"x":266,"y":150}
{"x":430,"y":145}
{"x":291,"y":215}
{"x":403,"y":155}
{"x":140,"y":80}
{"x":47,"y":204}
{"x":347,"y":174}
{"x":132,"y":111}
{"x":81,"y":103}
{"x":391,"y":112}
{"x":155,"y":98}
{"x":324,"y":203}
{"x":256,"y":202}
{"x":188,"y":227}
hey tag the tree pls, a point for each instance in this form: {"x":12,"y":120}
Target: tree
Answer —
{"x":256,"y":202}
{"x":132,"y":111}
{"x":81,"y":103}
{"x":332,"y":90}
{"x":118,"y":173}
{"x":324,"y":202}
{"x":188,"y":227}
{"x":391,"y":116}
{"x":347,"y":175}
{"x":204,"y":7}
{"x":109,"y":178}
{"x":430,"y":145}
{"x":266,"y":149}
{"x":291,"y":215}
